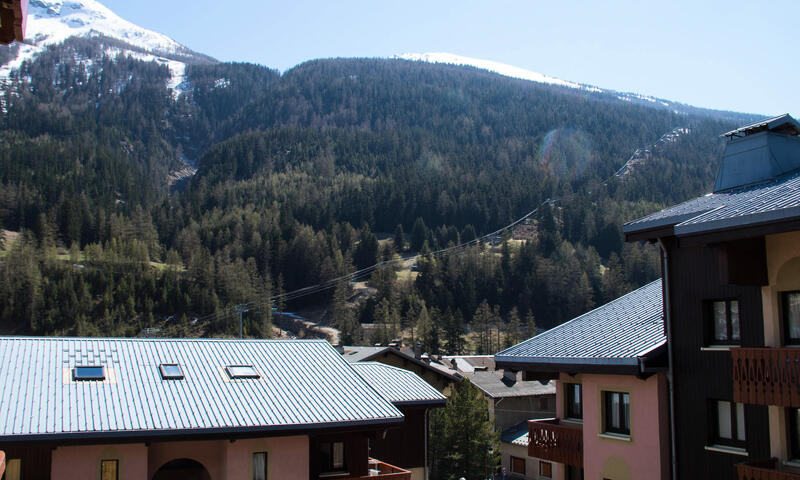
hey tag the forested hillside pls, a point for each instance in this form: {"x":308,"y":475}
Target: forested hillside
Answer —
{"x":296,"y":173}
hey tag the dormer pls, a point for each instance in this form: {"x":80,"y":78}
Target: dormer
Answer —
{"x":759,"y":152}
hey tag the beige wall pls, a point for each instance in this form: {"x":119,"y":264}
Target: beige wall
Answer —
{"x":224,"y":460}
{"x":783,"y":272}
{"x":531,"y":463}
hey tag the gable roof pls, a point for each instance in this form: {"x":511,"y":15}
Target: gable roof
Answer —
{"x":753,"y":206}
{"x":303,"y":384}
{"x":361,"y":354}
{"x":399,"y":386}
{"x":618,"y":334}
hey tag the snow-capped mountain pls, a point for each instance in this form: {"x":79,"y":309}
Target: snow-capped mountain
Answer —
{"x":52,"y":21}
{"x":523,"y":74}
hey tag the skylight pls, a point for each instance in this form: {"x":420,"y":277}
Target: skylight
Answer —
{"x":242,"y":371}
{"x":89,"y":372}
{"x":171,"y":371}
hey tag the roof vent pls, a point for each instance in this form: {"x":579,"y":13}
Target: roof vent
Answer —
{"x":759,"y":152}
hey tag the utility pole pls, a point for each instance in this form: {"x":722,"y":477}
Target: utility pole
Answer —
{"x":240,"y":309}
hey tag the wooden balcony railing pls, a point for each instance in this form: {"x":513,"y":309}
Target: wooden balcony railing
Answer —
{"x":550,"y":439}
{"x":766,"y":376}
{"x":764,"y":470}
{"x":383,"y":471}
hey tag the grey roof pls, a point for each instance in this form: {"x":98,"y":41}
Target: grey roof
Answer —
{"x":399,"y":386}
{"x":493,"y":384}
{"x":359,"y":354}
{"x":749,"y":206}
{"x":617,"y":333}
{"x":302,"y":384}
{"x":778,"y":123}
{"x":516,"y":434}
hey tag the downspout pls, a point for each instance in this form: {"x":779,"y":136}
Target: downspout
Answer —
{"x":427,"y":467}
{"x":668,"y":323}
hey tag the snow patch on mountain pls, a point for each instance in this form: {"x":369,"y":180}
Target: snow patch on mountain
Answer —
{"x":50,"y":22}
{"x":492,"y":66}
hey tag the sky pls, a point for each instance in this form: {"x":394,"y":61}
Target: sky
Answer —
{"x":730,"y":55}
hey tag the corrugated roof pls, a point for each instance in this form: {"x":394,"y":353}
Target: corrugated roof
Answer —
{"x":516,"y":435}
{"x":399,"y":386}
{"x":302,"y":384}
{"x":360,"y":354}
{"x":768,"y":202}
{"x":616,"y":333}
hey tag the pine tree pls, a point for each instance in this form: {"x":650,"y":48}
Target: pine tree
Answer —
{"x":399,"y":238}
{"x":418,"y":235}
{"x":467,"y":444}
{"x":513,"y":328}
{"x":530,"y":325}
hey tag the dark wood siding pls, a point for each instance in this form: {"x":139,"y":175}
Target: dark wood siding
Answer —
{"x":35,"y":460}
{"x":701,"y":376}
{"x":355,"y":452}
{"x":403,"y":446}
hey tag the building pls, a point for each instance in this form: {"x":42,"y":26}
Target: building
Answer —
{"x":436,"y":374}
{"x":612,"y":417}
{"x":199,"y":409}
{"x":403,"y":445}
{"x":13,"y":18}
{"x":512,"y":402}
{"x":731,"y":270}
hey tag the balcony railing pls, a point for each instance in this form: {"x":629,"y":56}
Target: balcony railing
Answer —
{"x":765,"y":470}
{"x":550,"y":439}
{"x":766,"y":376}
{"x":383,"y":471}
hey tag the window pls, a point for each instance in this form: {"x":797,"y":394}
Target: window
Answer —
{"x":517,"y":465}
{"x":617,"y":409}
{"x":89,"y":372}
{"x":242,"y":371}
{"x":790,"y":303}
{"x":260,"y":466}
{"x":729,"y":427}
{"x":723,"y":322}
{"x":574,"y":400}
{"x":171,"y":371}
{"x":793,"y":415}
{"x":109,"y":470}
{"x":332,"y":457}
{"x":13,"y":469}
{"x":545,"y":469}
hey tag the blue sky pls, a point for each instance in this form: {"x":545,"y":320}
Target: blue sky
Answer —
{"x":729,"y":55}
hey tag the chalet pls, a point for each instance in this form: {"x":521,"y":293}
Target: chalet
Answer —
{"x":731,"y":271}
{"x":611,"y":400}
{"x":200,"y":409}
{"x":438,"y":375}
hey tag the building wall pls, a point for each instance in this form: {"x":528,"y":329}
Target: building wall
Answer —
{"x":70,"y":462}
{"x":783,"y":273}
{"x":287,"y":457}
{"x":703,"y":374}
{"x":509,"y":411}
{"x":507,"y":450}
{"x":645,"y":453}
{"x":403,"y":445}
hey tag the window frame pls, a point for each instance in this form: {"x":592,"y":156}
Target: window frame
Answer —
{"x":232,"y":369}
{"x":512,"y":459}
{"x":569,"y":395}
{"x":710,"y":323}
{"x":87,"y":377}
{"x":784,"y":311}
{"x":544,"y":474}
{"x":607,"y":396}
{"x":713,"y":419}
{"x":332,"y":468}
{"x":165,"y":375}
{"x":111,"y":461}
{"x":266,"y":464}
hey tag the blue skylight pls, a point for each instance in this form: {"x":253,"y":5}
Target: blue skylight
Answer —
{"x":242,"y":371}
{"x":171,"y":371}
{"x":89,"y":372}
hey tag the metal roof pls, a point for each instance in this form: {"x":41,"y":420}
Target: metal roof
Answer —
{"x":302,"y":384}
{"x":399,"y":386}
{"x":617,"y":333}
{"x":783,"y":123}
{"x":358,"y":353}
{"x":758,"y":204}
{"x":516,"y":434}
{"x":493,"y":384}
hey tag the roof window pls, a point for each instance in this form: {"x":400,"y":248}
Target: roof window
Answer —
{"x":171,"y":371}
{"x":242,"y":371}
{"x":89,"y":372}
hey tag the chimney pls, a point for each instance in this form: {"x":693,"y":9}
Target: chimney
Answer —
{"x":759,"y":152}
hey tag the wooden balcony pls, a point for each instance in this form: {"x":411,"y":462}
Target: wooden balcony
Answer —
{"x":383,"y":471}
{"x":550,"y":439}
{"x":766,"y":376}
{"x":765,"y":470}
